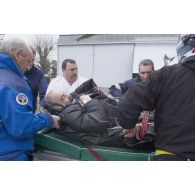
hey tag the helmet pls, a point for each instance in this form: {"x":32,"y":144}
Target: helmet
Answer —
{"x":186,"y":46}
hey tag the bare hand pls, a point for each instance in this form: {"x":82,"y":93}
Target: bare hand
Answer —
{"x":85,"y":99}
{"x":56,"y":120}
{"x":130,"y":133}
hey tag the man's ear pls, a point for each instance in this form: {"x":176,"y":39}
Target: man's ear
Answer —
{"x":16,"y":54}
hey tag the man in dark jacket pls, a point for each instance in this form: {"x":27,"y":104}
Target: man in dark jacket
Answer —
{"x":145,"y":68}
{"x":89,"y":120}
{"x":38,"y":83}
{"x":170,"y":92}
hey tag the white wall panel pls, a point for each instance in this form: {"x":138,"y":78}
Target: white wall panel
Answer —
{"x":112,"y":64}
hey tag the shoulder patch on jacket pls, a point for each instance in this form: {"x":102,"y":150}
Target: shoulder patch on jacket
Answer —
{"x":21,"y":99}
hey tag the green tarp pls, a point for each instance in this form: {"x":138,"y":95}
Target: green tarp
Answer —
{"x":76,"y":150}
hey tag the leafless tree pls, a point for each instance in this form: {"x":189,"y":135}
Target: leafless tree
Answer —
{"x":44,"y":44}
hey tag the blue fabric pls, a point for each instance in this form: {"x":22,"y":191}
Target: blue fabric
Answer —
{"x":38,"y":85}
{"x":115,"y":92}
{"x":15,"y":156}
{"x":18,"y":123}
{"x":124,"y":86}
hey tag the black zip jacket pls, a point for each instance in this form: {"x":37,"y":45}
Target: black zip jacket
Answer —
{"x":91,"y":123}
{"x":170,"y":92}
{"x":92,"y":116}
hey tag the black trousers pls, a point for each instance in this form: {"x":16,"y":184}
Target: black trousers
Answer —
{"x":170,"y":157}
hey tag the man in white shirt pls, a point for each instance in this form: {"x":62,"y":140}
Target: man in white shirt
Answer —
{"x":70,"y":79}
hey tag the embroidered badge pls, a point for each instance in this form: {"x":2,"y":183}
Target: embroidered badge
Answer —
{"x":22,"y":99}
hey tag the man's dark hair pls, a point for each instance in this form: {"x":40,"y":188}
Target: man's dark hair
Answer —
{"x":147,"y":62}
{"x":66,"y":61}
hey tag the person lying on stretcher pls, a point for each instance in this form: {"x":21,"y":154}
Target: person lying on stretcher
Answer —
{"x":92,"y":121}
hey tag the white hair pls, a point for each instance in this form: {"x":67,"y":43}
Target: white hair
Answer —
{"x":49,"y":98}
{"x":10,"y":45}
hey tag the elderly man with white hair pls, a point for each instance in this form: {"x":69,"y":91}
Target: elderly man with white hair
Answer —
{"x":18,"y":123}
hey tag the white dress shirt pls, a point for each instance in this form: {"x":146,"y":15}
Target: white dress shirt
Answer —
{"x":60,"y":84}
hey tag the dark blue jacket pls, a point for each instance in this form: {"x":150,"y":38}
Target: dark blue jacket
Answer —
{"x":18,"y":123}
{"x":123,"y":87}
{"x":38,"y":85}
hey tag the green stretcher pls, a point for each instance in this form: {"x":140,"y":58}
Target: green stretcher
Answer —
{"x":65,"y":148}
